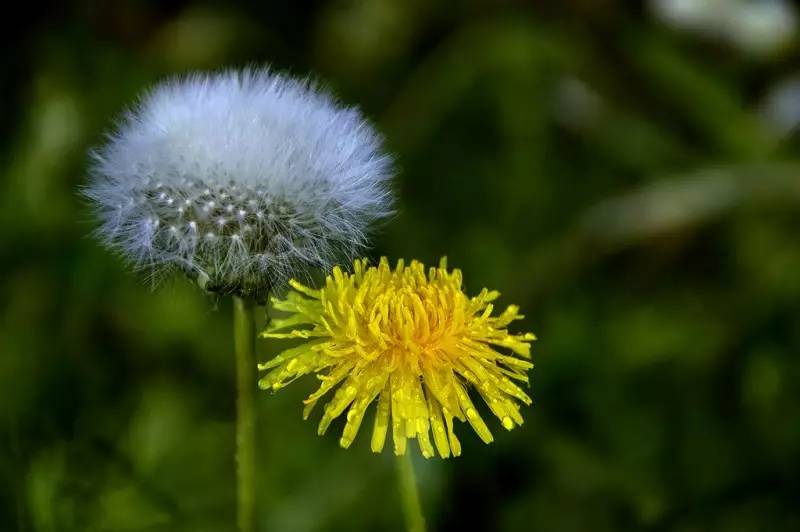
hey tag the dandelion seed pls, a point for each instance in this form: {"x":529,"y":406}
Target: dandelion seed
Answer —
{"x":415,"y":343}
{"x":240,"y":142}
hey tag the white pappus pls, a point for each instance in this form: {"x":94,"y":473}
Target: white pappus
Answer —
{"x":241,"y":179}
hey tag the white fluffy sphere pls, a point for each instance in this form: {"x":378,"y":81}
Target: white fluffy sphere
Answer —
{"x":241,"y":179}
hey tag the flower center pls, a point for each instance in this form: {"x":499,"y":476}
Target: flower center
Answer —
{"x":401,"y":313}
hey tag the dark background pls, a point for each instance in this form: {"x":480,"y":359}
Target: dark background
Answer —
{"x":625,"y":172}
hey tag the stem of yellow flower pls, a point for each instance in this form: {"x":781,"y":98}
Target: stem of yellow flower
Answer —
{"x":244,"y":335}
{"x":409,"y":495}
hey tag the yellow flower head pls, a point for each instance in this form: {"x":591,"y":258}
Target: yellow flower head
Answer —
{"x":415,"y":343}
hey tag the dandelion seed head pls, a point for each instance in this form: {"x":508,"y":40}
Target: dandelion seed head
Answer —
{"x":249,"y":149}
{"x":411,"y":340}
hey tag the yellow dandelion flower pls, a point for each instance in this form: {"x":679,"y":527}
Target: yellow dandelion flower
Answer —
{"x":415,"y":343}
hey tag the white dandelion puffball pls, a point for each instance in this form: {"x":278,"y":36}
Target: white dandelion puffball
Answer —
{"x":240,"y":179}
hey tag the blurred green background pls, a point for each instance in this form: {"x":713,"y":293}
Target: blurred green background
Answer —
{"x":627,"y":172}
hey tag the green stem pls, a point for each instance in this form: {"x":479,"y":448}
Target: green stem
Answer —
{"x":244,"y":335}
{"x":409,"y":495}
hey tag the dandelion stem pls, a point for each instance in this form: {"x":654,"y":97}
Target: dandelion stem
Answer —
{"x":244,"y":333}
{"x":409,"y":495}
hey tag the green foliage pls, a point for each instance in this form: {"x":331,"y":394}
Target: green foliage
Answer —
{"x":612,"y":176}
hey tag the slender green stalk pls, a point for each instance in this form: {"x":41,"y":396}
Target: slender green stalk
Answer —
{"x":409,"y":495}
{"x":244,"y":336}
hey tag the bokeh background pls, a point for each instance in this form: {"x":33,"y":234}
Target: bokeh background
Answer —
{"x":627,"y":172}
